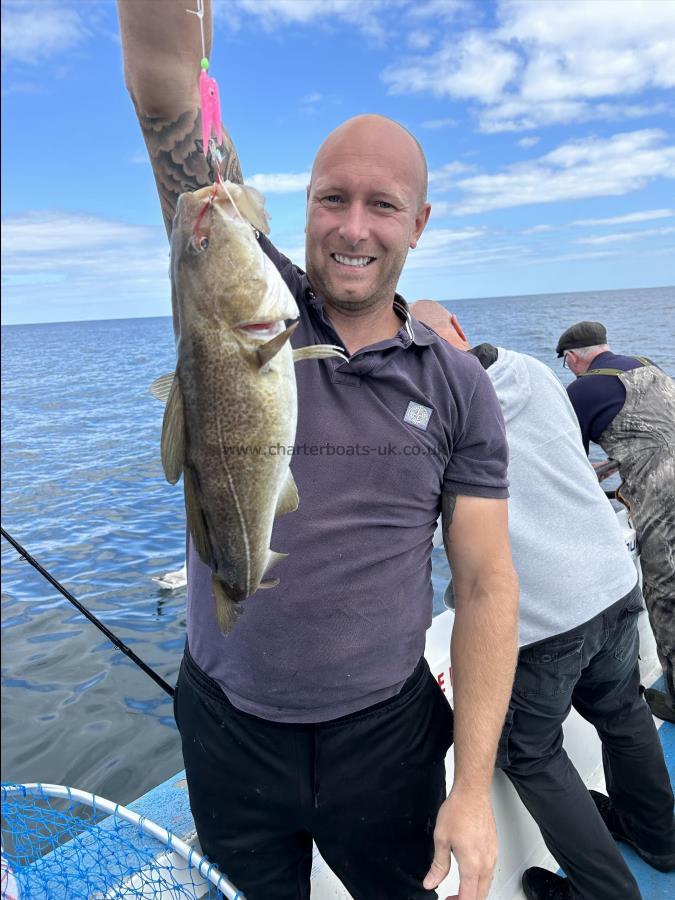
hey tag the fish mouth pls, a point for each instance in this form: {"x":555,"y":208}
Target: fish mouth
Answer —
{"x":263,"y":331}
{"x":355,"y":262}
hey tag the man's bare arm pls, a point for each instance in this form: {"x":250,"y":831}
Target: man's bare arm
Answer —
{"x":162,"y":50}
{"x":484,"y":652}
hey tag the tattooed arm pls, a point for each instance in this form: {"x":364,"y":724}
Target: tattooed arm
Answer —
{"x":162,"y":49}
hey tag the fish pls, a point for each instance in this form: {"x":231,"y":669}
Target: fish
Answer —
{"x":231,"y":404}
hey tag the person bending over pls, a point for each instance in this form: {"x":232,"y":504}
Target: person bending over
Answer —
{"x":579,"y":604}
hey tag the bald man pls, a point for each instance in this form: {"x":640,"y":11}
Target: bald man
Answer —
{"x":317,"y":718}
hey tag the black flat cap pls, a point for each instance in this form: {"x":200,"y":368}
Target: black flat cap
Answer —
{"x":583,"y":334}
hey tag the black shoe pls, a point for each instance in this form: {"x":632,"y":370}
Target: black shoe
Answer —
{"x":540,"y":884}
{"x":664,"y":862}
{"x":660,"y":704}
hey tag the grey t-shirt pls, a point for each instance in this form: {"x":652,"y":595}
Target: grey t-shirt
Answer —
{"x":378,"y":440}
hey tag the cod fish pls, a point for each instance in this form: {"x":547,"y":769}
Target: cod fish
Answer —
{"x":231,"y":405}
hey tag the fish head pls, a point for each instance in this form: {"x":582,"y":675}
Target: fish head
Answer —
{"x":219,"y":272}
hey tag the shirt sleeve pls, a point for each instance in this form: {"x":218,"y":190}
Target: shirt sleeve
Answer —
{"x":479,"y":459}
{"x":581,"y":411}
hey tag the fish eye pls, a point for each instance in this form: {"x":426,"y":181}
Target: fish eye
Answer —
{"x":198,"y":244}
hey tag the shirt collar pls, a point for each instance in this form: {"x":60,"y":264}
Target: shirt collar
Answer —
{"x":411,"y":331}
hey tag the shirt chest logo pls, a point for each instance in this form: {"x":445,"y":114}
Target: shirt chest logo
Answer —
{"x":417,"y":415}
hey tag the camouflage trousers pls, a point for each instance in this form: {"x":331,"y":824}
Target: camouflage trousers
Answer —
{"x":642,"y":440}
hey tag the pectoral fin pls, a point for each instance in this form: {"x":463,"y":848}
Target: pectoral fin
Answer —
{"x":319,"y":351}
{"x":269,"y":350}
{"x":288,"y":498}
{"x":264,"y":585}
{"x":173,"y":435}
{"x":161,"y":387}
{"x":273,"y":558}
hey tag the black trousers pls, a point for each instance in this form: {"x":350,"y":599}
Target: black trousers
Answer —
{"x":593,"y":668}
{"x":366,"y":788}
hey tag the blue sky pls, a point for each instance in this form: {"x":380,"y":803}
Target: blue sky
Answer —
{"x":548,"y":127}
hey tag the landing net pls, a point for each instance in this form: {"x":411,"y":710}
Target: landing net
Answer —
{"x":60,"y":843}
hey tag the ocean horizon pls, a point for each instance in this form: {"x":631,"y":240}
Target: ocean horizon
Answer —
{"x":445,"y":302}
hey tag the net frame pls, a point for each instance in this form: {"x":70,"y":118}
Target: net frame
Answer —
{"x":130,"y":886}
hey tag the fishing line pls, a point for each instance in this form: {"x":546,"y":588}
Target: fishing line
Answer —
{"x":85,"y":612}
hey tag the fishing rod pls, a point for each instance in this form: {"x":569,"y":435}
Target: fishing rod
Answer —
{"x":85,"y":612}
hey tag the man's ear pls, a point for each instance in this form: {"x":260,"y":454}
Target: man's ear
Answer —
{"x":307,"y":192}
{"x":421,"y":220}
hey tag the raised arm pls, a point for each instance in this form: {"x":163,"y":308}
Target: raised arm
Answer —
{"x":484,"y":651}
{"x":162,"y":50}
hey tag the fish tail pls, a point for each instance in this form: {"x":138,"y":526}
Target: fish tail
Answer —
{"x":227,"y":610}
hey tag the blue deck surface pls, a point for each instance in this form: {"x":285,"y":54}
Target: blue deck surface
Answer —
{"x":653,"y":885}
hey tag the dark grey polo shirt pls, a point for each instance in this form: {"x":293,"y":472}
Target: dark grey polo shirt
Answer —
{"x":378,"y":440}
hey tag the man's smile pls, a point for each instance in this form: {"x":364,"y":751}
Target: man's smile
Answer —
{"x":353,"y":261}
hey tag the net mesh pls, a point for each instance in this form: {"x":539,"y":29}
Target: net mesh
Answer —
{"x":60,"y":847}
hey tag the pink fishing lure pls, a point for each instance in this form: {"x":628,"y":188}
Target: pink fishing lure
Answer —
{"x":210,"y":100}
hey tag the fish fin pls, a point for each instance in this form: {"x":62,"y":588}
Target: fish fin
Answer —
{"x":288,"y":496}
{"x":273,"y":558}
{"x":251,"y":205}
{"x":195,"y":516}
{"x":227,"y":612}
{"x":264,"y":585}
{"x":267,"y":351}
{"x":319,"y":351}
{"x":161,"y":387}
{"x":173,"y":435}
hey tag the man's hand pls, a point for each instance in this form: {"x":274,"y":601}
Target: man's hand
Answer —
{"x":465,"y":827}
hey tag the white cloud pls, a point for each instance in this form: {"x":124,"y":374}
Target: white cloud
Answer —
{"x":444,"y":178}
{"x":439,"y":247}
{"x":281,"y":182}
{"x":441,"y":10}
{"x":419,"y":40}
{"x":32,"y":32}
{"x":368,"y":16}
{"x":551,"y":62}
{"x":624,"y":236}
{"x":539,"y":229}
{"x":440,"y":209}
{"x":82,"y":259}
{"x":434,"y":124}
{"x":458,"y":69}
{"x":274,"y":14}
{"x":528,"y":142}
{"x":647,"y":215}
{"x":52,"y":232}
{"x":594,"y":167}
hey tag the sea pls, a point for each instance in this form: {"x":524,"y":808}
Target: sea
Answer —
{"x":83,"y":491}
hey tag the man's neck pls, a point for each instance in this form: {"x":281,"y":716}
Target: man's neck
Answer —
{"x":359,"y":330}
